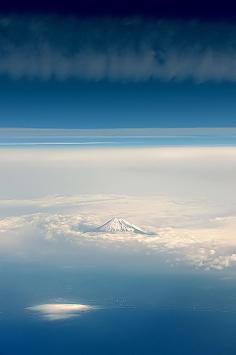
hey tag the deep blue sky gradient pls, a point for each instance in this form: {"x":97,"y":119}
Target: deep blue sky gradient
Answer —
{"x":213,"y":10}
{"x":103,"y":104}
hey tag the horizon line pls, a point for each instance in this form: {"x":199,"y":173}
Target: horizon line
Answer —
{"x":118,"y":132}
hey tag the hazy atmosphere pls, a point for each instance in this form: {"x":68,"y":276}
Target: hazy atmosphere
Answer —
{"x":117,"y":178}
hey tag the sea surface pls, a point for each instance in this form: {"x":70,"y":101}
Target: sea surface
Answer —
{"x":174,"y":313}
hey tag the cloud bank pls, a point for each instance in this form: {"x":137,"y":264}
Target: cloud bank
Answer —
{"x":52,"y":201}
{"x":191,"y":233}
{"x":130,"y":49}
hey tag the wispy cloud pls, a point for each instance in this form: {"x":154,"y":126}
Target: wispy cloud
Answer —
{"x":127,"y":49}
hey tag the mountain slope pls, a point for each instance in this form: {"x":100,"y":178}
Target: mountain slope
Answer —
{"x":116,"y":225}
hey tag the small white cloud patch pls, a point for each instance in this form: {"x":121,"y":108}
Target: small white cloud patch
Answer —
{"x":60,"y":311}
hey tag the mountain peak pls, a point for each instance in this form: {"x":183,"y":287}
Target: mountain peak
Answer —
{"x":116,"y":224}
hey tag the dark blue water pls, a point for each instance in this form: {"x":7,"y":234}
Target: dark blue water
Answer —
{"x":157,"y":313}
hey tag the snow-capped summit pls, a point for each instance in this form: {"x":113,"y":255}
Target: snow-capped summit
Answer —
{"x":115,"y":225}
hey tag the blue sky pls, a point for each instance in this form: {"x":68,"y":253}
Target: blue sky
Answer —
{"x":68,"y":72}
{"x":83,"y":104}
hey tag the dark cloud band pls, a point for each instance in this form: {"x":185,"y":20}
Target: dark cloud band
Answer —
{"x":130,"y":49}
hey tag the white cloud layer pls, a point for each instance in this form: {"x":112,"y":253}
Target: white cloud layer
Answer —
{"x":128,"y":49}
{"x":189,"y":233}
{"x":53,"y":200}
{"x":186,"y":172}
